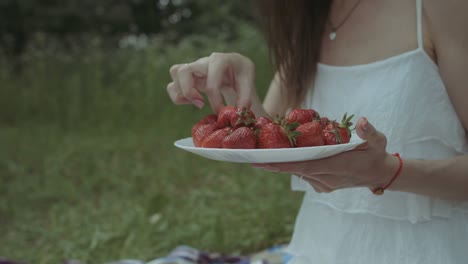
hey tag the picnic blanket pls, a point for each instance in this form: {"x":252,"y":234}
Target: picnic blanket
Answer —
{"x":189,"y":255}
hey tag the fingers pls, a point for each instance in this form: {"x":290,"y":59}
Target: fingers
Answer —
{"x":173,"y":88}
{"x":245,"y":81}
{"x":367,"y":131}
{"x":176,"y":94}
{"x":317,"y":185}
{"x":229,"y":96}
{"x":186,"y":82}
{"x":362,"y":146}
{"x":319,"y":167}
{"x":218,"y":67}
{"x":220,"y":76}
{"x":239,"y":70}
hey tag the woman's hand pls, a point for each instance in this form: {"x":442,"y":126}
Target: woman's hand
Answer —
{"x":367,"y":166}
{"x":221,"y":75}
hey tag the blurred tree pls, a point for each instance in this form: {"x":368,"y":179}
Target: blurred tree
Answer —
{"x":21,"y":19}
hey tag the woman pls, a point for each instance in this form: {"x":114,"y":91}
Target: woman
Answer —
{"x":401,"y":66}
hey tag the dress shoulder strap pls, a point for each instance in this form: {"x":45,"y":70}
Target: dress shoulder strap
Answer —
{"x":419,"y":23}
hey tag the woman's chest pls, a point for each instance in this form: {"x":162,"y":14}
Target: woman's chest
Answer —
{"x":376,"y":30}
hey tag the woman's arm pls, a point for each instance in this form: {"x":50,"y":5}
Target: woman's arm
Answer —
{"x":274,"y":103}
{"x":447,"y":179}
{"x":223,"y":76}
{"x":448,"y":26}
{"x":371,"y":166}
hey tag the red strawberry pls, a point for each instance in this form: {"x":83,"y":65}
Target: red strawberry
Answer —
{"x":331,"y":125}
{"x":200,"y":131}
{"x":311,"y":135}
{"x":215,"y":139}
{"x":331,"y":137}
{"x":235,"y":117}
{"x":345,"y":136}
{"x":301,"y":115}
{"x":344,"y":128}
{"x":225,"y":115}
{"x":324,"y":122}
{"x":209,"y":119}
{"x":335,"y":133}
{"x":328,"y":124}
{"x":241,"y":138}
{"x":261,"y":121}
{"x":245,"y":117}
{"x":273,"y":135}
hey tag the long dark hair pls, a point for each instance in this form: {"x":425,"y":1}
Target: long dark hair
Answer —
{"x":293,"y":30}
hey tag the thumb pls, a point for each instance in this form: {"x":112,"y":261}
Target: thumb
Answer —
{"x":367,"y":131}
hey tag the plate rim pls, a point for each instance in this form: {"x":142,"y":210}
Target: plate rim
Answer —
{"x":361,"y":141}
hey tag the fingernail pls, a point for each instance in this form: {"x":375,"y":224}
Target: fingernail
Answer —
{"x":365,"y":125}
{"x":198,"y":103}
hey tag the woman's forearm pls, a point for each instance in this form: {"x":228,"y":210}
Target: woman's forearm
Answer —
{"x":446,"y":179}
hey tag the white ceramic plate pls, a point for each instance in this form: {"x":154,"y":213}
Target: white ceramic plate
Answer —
{"x":268,"y":155}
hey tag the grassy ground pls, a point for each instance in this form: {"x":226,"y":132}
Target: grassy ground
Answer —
{"x":88,"y":169}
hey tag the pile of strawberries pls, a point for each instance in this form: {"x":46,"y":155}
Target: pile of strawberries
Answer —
{"x":237,"y":128}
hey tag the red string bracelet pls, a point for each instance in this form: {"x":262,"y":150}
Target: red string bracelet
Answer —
{"x":380,"y":190}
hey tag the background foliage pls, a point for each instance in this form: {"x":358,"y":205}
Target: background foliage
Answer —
{"x":87,"y":166}
{"x":70,"y":20}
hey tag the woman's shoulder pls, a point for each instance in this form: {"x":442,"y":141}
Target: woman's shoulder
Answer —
{"x":446,"y":17}
{"x":448,"y":23}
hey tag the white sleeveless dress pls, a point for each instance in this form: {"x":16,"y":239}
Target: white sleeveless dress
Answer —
{"x":405,"y":98}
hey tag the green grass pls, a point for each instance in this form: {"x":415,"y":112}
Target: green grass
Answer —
{"x":88,"y":169}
